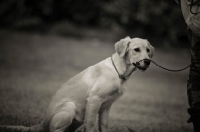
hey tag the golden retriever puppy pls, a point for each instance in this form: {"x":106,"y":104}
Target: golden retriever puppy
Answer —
{"x":92,"y":92}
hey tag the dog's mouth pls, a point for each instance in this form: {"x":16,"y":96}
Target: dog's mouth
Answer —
{"x":141,"y":68}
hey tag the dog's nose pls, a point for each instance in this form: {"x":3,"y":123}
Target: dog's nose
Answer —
{"x":147,"y":62}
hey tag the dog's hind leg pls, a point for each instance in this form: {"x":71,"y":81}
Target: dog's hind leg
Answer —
{"x":61,"y":120}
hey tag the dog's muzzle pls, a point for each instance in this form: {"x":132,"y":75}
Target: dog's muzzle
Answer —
{"x":146,"y":62}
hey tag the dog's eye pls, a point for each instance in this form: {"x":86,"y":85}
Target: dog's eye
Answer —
{"x":137,"y":50}
{"x":148,"y":50}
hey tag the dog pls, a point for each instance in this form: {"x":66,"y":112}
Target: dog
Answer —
{"x":91,"y":93}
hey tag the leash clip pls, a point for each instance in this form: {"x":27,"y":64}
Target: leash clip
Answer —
{"x":122,"y":77}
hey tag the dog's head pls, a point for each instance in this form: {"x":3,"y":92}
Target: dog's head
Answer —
{"x":134,"y":51}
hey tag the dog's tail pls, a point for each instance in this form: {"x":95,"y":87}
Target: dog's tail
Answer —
{"x":36,"y":128}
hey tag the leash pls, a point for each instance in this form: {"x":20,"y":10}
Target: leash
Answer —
{"x":123,"y":77}
{"x":137,"y":65}
{"x":193,"y":3}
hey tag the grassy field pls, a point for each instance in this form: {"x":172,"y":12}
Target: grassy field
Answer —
{"x":34,"y":66}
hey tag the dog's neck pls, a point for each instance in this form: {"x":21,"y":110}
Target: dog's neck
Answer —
{"x":121,"y":65}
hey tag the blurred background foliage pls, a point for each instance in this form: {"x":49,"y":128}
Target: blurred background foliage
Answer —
{"x":159,"y":21}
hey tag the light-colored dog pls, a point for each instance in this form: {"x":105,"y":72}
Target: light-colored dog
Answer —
{"x":93,"y":91}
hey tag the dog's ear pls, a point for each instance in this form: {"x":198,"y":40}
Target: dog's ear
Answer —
{"x":152,"y":50}
{"x":121,"y":47}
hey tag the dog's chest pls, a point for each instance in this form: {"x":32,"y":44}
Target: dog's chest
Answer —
{"x":116,"y":93}
{"x":122,"y":88}
{"x":110,"y":99}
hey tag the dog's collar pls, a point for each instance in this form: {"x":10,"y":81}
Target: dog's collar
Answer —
{"x":123,"y":77}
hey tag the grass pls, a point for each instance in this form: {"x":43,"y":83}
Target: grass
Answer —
{"x":34,"y":66}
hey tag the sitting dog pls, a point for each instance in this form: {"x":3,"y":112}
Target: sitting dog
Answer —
{"x":93,"y":91}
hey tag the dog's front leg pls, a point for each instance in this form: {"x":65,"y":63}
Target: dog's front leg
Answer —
{"x":103,"y":119}
{"x":93,"y":105}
